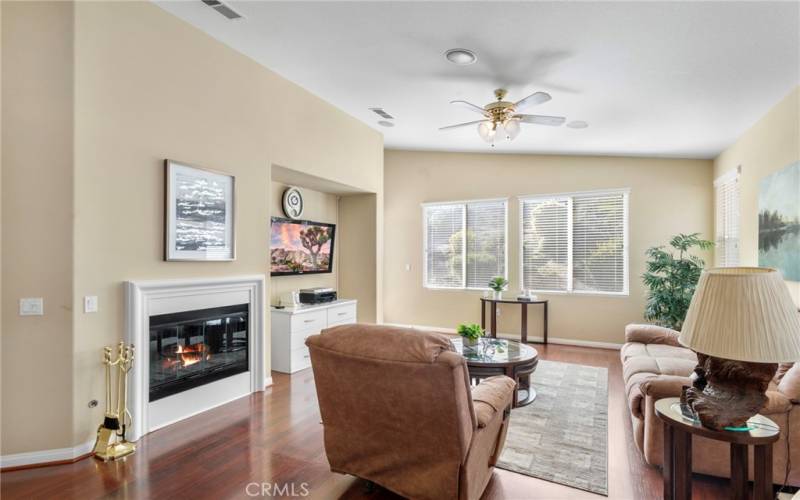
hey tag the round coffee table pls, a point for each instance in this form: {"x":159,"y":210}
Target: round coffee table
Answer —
{"x":490,"y":357}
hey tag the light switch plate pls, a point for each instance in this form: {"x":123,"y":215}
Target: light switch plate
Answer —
{"x":90,"y":304}
{"x":31,"y":306}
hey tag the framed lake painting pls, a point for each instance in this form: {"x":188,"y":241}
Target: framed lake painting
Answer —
{"x":199,"y":213}
{"x":779,"y":222}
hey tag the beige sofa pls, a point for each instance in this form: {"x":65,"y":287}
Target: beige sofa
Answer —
{"x":655,"y":366}
{"x":397,"y":409}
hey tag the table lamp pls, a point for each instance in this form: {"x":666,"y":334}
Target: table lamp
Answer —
{"x":741,"y":323}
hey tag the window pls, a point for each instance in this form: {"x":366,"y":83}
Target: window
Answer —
{"x":465,"y":243}
{"x":726,"y":218}
{"x":575,"y":242}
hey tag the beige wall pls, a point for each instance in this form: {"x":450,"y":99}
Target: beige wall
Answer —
{"x":147,"y":86}
{"x":319,"y":207}
{"x":37,"y":244}
{"x":770,"y":145}
{"x":358,"y":258}
{"x":667,"y":197}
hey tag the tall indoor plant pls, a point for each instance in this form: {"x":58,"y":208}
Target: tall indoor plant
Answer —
{"x":671,"y":279}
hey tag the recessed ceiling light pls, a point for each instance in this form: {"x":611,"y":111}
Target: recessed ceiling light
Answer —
{"x":385,"y":123}
{"x":462,"y":57}
{"x":577,"y":124}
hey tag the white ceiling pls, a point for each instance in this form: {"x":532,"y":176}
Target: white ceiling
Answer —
{"x":651,"y":78}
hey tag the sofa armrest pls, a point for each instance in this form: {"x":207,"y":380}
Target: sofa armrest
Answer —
{"x":664,"y":386}
{"x":670,"y":386}
{"x":789,"y":384}
{"x":776,"y":403}
{"x":492,"y":395}
{"x":651,"y":334}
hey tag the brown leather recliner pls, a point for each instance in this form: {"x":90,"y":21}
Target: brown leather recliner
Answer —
{"x":397,"y":410}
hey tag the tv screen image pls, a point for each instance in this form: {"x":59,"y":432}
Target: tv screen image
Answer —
{"x":301,"y":247}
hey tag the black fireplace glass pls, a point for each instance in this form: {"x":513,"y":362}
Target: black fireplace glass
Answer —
{"x":192,"y":348}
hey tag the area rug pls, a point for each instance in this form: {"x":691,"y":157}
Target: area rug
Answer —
{"x":563,"y":435}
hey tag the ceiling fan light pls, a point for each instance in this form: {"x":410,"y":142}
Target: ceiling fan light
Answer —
{"x":487,"y":131}
{"x":511,"y":128}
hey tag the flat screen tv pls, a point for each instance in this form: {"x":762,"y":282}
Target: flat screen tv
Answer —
{"x":301,"y":247}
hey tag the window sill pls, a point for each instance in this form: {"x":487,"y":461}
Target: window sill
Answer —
{"x":448,"y":289}
{"x":612,"y":295}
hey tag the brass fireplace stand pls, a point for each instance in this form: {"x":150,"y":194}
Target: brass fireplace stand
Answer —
{"x":111,"y":443}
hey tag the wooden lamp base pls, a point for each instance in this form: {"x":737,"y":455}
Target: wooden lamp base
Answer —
{"x":726,"y":393}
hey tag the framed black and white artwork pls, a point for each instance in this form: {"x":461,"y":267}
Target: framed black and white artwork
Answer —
{"x":199,"y":213}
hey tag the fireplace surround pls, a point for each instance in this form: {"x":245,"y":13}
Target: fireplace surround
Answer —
{"x":199,"y":344}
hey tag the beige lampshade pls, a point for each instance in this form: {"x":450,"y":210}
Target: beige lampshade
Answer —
{"x":744,"y":314}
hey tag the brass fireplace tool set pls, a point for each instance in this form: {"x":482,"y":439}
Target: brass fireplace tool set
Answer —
{"x":111,"y":443}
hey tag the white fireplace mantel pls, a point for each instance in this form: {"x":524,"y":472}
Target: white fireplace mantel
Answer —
{"x":153,"y":297}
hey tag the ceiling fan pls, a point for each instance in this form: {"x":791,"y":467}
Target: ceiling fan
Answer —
{"x":502,"y":118}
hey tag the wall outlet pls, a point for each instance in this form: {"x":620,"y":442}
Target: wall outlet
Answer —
{"x":408,"y":267}
{"x":90,"y":304}
{"x":31,"y":306}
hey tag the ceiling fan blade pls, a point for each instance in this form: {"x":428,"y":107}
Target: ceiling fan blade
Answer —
{"x":553,"y":121}
{"x":469,"y":106}
{"x":532,"y":100}
{"x":462,"y":124}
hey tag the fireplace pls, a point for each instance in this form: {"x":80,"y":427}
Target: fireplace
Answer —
{"x":193,"y":348}
{"x":200,"y":345}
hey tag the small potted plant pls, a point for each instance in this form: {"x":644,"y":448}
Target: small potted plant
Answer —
{"x":470,"y":333}
{"x":498,"y":284}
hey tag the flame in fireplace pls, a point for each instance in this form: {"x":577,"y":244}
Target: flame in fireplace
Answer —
{"x":189,"y":355}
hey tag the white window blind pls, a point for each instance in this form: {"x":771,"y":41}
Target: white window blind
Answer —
{"x":726,"y":219}
{"x":486,"y":242}
{"x":465,"y":243}
{"x":575,"y":243}
{"x":545,"y":244}
{"x":444,"y":226}
{"x":598,"y":243}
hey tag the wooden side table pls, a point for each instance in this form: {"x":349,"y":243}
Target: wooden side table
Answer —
{"x":678,"y":431}
{"x":524,"y":314}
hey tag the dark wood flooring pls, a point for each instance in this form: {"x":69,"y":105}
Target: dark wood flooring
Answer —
{"x":275,"y":437}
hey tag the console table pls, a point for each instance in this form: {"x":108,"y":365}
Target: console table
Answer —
{"x":678,"y":431}
{"x":524,"y":313}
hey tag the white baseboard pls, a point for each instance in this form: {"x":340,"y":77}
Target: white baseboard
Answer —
{"x":60,"y":454}
{"x":45,"y":456}
{"x":513,"y":336}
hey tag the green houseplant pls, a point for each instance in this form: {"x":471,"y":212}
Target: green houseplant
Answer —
{"x":498,"y":284}
{"x":671,"y":278}
{"x":470,"y":333}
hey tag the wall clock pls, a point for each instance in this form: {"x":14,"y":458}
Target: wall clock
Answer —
{"x":293,"y":203}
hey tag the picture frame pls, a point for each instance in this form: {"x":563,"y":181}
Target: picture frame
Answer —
{"x":199,"y":213}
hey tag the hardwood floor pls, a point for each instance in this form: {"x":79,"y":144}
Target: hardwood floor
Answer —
{"x":275,"y":437}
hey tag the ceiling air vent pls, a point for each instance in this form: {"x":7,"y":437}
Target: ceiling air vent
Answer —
{"x":383,"y":114}
{"x":222,"y":9}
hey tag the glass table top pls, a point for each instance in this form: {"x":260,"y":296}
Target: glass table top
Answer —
{"x":489,"y":350}
{"x":757,"y":426}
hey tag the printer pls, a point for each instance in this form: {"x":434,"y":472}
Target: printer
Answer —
{"x":317,"y":295}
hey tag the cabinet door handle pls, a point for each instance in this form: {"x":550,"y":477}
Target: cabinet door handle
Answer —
{"x":342,"y":314}
{"x":306,"y":356}
{"x":309,"y":320}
